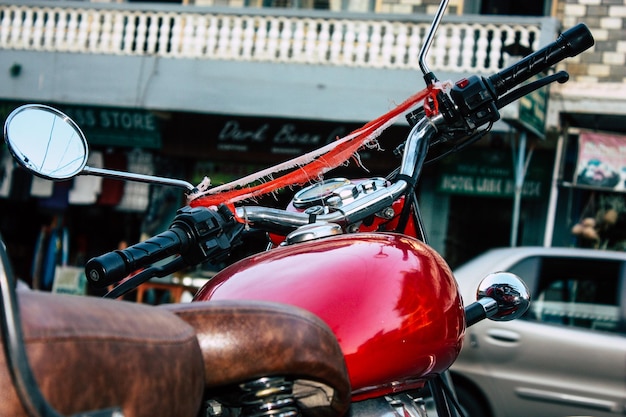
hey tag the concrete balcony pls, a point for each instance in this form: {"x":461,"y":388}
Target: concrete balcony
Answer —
{"x":240,"y":61}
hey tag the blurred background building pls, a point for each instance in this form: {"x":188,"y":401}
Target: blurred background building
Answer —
{"x":221,"y":88}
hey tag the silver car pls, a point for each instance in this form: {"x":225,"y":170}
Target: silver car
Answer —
{"x":566,"y":356}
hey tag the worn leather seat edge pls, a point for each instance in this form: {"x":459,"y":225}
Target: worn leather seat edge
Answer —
{"x":242,"y":340}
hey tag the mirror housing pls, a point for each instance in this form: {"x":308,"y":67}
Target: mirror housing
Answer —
{"x":46,"y":142}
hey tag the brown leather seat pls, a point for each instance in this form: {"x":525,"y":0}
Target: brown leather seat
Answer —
{"x":89,"y":353}
{"x":243,"y":340}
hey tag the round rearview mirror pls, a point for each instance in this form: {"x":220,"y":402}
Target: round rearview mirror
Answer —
{"x":46,"y":142}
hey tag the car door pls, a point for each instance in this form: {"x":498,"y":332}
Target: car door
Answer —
{"x":568,"y":355}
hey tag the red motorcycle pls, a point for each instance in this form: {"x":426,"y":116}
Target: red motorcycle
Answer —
{"x":347,"y":311}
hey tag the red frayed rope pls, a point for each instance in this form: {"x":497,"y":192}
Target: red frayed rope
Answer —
{"x":317,"y":162}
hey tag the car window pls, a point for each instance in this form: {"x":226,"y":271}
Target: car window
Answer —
{"x":574,"y":292}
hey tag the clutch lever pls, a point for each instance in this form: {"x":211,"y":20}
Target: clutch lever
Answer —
{"x":152,"y":272}
{"x":560,"y":77}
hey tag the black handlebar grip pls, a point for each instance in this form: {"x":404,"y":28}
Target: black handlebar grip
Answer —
{"x":570,"y":43}
{"x":114,"y":266}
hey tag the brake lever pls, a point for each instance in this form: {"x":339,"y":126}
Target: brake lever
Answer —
{"x":560,"y":77}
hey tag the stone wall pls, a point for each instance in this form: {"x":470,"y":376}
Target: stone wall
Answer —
{"x":607,"y":21}
{"x":597,"y":76}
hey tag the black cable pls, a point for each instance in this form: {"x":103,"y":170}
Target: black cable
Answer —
{"x":460,"y":146}
{"x":443,"y":396}
{"x":452,"y":398}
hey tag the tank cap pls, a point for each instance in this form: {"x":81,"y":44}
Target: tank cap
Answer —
{"x":313,"y":231}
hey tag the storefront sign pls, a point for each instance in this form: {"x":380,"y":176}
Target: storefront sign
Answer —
{"x":490,"y":173}
{"x":266,"y":140}
{"x":278,"y":137}
{"x":601,"y":161}
{"x":108,"y":126}
{"x":116,"y":127}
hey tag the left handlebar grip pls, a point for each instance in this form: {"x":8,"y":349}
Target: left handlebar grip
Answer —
{"x":114,"y":266}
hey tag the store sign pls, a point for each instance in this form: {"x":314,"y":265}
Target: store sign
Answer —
{"x":601,"y":161}
{"x":491,"y":174}
{"x":277,"y":138}
{"x":116,"y":126}
{"x":108,"y":126}
{"x":266,"y":140}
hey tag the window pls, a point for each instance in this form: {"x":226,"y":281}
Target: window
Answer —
{"x":296,"y":4}
{"x":515,"y":8}
{"x":575,"y":292}
{"x":510,"y":8}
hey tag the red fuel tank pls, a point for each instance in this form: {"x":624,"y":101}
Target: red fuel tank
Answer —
{"x":391,"y":300}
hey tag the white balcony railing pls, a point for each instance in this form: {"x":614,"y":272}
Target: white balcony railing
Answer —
{"x":255,"y":35}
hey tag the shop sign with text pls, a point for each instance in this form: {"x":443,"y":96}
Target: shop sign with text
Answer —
{"x":116,"y":126}
{"x":490,"y":173}
{"x":279,"y":137}
{"x":275,"y":139}
{"x":107,"y":126}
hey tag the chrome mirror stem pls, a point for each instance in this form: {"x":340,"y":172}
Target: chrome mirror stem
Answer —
{"x":430,"y":36}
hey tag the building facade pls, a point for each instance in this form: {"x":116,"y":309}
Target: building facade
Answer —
{"x":222,"y":88}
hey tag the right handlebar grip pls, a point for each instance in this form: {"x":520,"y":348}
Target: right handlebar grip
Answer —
{"x":114,"y":266}
{"x":570,"y":43}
